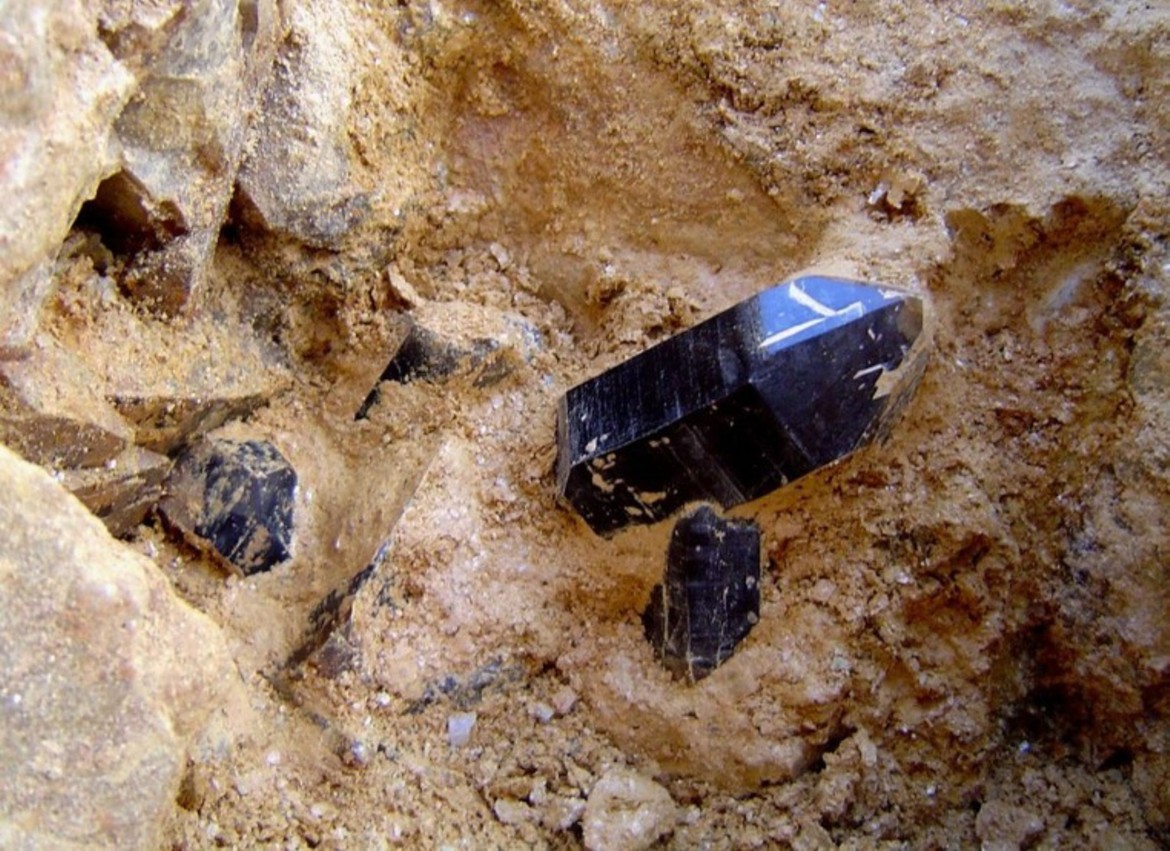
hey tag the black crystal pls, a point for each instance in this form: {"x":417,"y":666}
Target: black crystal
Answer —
{"x":787,"y":381}
{"x":710,"y":598}
{"x":425,"y":356}
{"x":332,"y":644}
{"x":237,"y":497}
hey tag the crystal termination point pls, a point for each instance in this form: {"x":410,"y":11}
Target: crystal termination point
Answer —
{"x":787,"y":381}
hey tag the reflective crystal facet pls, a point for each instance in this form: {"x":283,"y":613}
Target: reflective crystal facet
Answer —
{"x":237,"y":499}
{"x":710,"y":597}
{"x":789,"y":380}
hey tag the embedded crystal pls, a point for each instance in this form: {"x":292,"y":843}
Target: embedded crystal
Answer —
{"x":425,"y":356}
{"x":235,"y":498}
{"x":794,"y":378}
{"x":710,"y":597}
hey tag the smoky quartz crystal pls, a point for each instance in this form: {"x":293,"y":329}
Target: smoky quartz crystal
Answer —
{"x":794,"y":378}
{"x":710,"y":597}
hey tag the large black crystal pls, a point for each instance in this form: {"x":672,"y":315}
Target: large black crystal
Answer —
{"x":710,"y":598}
{"x":787,"y":381}
{"x":236,"y":498}
{"x":425,"y":356}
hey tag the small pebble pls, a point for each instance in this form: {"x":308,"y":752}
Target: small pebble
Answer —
{"x":511,"y":811}
{"x":357,"y":755}
{"x":459,"y":726}
{"x":564,"y":701}
{"x":627,"y":811}
{"x":561,"y":813}
{"x":500,"y":254}
{"x":541,"y":711}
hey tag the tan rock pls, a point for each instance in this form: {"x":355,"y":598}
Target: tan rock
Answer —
{"x":561,"y":813}
{"x":296,"y":177}
{"x":136,"y":30}
{"x":52,"y":413}
{"x":165,"y":279}
{"x":627,"y":812}
{"x":108,"y":676}
{"x":1004,"y":827}
{"x":564,"y":700}
{"x":174,"y":388}
{"x":183,"y":134}
{"x":511,"y":811}
{"x":20,"y":310}
{"x":62,"y":92}
{"x":437,"y":545}
{"x":164,"y":423}
{"x":359,"y":546}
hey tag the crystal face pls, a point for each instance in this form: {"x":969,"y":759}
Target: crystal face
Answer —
{"x":710,"y":598}
{"x":789,"y":380}
{"x":236,"y":498}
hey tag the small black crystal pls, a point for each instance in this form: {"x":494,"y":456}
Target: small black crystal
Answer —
{"x":425,"y":356}
{"x":792,"y":379}
{"x":332,"y":645}
{"x":237,"y":498}
{"x":710,"y":599}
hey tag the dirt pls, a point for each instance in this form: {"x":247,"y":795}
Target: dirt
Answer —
{"x":964,"y":634}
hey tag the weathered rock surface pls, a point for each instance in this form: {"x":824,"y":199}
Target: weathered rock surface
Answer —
{"x":20,"y":309}
{"x":122,"y":491}
{"x":166,"y":423}
{"x":133,"y":115}
{"x":295,"y":179}
{"x":436,"y":552}
{"x":237,"y":499}
{"x":62,"y":91}
{"x":1002,"y":826}
{"x":627,"y":811}
{"x":108,"y":676}
{"x":182,"y":136}
{"x":331,"y":646}
{"x":52,"y":412}
{"x":214,"y":373}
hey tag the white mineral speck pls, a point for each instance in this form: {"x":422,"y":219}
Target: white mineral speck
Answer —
{"x":459,"y":727}
{"x":500,"y":254}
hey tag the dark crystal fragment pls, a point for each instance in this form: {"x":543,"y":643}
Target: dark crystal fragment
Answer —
{"x":710,"y":598}
{"x":792,"y":379}
{"x":121,"y":495}
{"x":236,"y":498}
{"x":332,"y":645}
{"x":424,"y":356}
{"x":467,"y":691}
